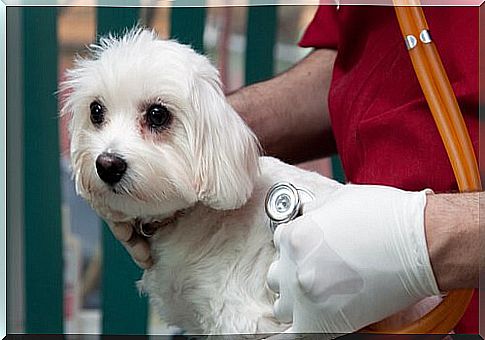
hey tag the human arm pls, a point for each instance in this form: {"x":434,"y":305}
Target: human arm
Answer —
{"x":361,"y":255}
{"x":289,"y":113}
{"x":452,"y":231}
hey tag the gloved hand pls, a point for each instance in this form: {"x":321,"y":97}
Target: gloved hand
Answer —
{"x":137,"y":246}
{"x":354,"y":260}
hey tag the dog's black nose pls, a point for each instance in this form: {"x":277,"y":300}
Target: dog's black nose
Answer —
{"x":110,"y":167}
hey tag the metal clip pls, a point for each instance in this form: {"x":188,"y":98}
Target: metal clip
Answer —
{"x":425,"y":37}
{"x":411,"y":41}
{"x":145,"y":229}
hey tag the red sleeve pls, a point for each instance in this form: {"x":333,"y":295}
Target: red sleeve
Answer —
{"x":323,"y":30}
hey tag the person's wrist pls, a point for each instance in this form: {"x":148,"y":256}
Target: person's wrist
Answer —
{"x":452,"y":230}
{"x":417,"y":260}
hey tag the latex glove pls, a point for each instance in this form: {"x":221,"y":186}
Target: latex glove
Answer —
{"x":357,"y":258}
{"x":136,"y":245}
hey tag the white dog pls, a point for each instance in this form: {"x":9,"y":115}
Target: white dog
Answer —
{"x":153,"y":138}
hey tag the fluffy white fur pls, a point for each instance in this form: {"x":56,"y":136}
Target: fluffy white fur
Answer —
{"x":210,"y":265}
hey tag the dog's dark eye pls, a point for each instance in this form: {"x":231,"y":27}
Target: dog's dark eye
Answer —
{"x":97,"y":113}
{"x":157,"y":116}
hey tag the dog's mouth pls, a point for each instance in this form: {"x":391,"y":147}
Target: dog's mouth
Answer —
{"x":116,"y":191}
{"x":122,"y":189}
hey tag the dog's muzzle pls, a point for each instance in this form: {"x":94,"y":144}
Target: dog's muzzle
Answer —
{"x":284,"y":202}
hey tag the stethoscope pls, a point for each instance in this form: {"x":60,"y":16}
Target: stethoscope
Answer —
{"x":284,"y":202}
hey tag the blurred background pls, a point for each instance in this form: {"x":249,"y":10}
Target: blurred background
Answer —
{"x":66,"y":273}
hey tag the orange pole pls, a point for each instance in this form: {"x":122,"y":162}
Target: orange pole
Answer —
{"x":451,"y":126}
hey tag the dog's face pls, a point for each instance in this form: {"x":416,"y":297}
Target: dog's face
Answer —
{"x":151,"y":132}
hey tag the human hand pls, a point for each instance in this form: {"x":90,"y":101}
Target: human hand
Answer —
{"x":357,"y":258}
{"x":136,"y":245}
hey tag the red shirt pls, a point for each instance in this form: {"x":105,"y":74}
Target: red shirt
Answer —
{"x":384,"y":131}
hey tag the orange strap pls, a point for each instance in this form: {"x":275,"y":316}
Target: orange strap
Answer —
{"x":451,"y":126}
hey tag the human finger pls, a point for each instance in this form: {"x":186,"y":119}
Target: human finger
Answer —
{"x":273,"y":278}
{"x":122,"y":231}
{"x":139,"y":248}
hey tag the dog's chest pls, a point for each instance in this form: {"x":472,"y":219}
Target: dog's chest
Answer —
{"x":210,"y":272}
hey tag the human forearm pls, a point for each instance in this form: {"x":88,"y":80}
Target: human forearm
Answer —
{"x":289,"y":113}
{"x":452,"y":232}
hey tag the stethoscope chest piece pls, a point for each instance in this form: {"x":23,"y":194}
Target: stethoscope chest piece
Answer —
{"x":283,"y":203}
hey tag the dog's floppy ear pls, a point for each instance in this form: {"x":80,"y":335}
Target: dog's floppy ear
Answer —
{"x":225,"y":150}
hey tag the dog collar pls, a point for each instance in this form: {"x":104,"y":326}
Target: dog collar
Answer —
{"x":148,"y":229}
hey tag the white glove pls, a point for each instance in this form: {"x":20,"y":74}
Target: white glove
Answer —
{"x":359,"y":257}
